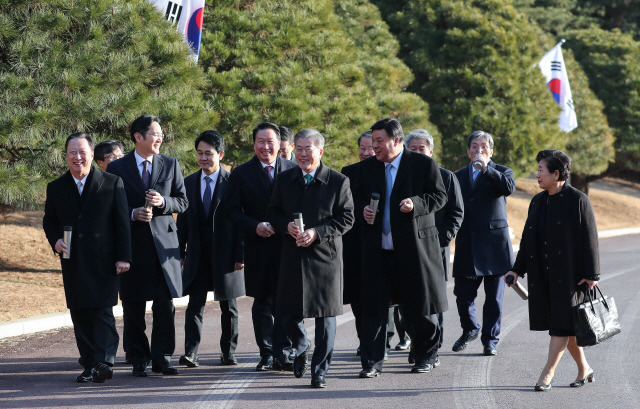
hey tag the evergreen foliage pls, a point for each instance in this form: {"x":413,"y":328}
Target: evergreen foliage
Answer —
{"x":474,"y":66}
{"x":92,"y":66}
{"x":295,"y":64}
{"x":611,"y":60}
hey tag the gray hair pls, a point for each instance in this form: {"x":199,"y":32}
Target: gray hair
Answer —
{"x":311,"y":133}
{"x":420,"y":134}
{"x":367,"y":134}
{"x":480,"y":134}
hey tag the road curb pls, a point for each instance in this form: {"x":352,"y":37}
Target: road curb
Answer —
{"x":56,"y":320}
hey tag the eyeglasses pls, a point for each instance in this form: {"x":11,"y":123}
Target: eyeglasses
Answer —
{"x":156,"y":135}
{"x":112,"y":157}
{"x":370,"y":150}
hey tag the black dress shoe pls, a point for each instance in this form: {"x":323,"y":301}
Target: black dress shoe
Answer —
{"x":464,"y":341}
{"x":404,"y":345}
{"x":292,"y":355}
{"x":542,"y":388}
{"x":421,"y":368}
{"x":265,"y":364}
{"x":282,"y":364}
{"x":139,"y":370}
{"x":190,"y":360}
{"x":228,"y":359}
{"x":589,"y":377}
{"x":436,"y":363}
{"x":167,"y":370}
{"x":85,"y":376}
{"x":101,"y":372}
{"x":369,"y":373}
{"x":300,"y":364}
{"x":318,"y":382}
{"x":489,"y":350}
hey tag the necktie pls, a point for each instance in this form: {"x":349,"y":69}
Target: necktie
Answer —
{"x":308,"y":178}
{"x":386,"y":218}
{"x":145,"y":173}
{"x":80,"y":185}
{"x":268,"y":169}
{"x":475,"y":175}
{"x":206,"y":199}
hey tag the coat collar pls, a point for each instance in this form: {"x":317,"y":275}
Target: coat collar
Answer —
{"x":321,"y":176}
{"x":94,"y":182}
{"x":131,"y":166}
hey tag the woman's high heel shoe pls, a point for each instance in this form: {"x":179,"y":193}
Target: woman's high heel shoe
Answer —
{"x":542,"y":388}
{"x":589,"y":377}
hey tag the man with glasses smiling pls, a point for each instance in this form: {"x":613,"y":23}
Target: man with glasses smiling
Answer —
{"x":108,"y":151}
{"x":155,"y":190}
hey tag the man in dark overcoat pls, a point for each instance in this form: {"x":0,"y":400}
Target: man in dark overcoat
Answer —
{"x":94,"y":205}
{"x":483,"y":247}
{"x":155,"y":190}
{"x":211,"y":251}
{"x":352,"y":241}
{"x":311,"y":281}
{"x":248,"y":195}
{"x":401,"y":257}
{"x":448,"y":218}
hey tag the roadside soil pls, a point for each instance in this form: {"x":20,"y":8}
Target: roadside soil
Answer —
{"x":31,"y":280}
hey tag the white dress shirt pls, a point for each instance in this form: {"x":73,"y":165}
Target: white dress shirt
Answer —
{"x":203,"y":183}
{"x":387,"y":239}
{"x":83,"y":181}
{"x":273,"y":169}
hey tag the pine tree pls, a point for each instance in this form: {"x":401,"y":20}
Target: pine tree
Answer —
{"x":474,"y":65}
{"x":92,"y":66}
{"x":297,"y":64}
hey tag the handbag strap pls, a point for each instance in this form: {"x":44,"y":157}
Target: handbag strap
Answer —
{"x":596,"y":288}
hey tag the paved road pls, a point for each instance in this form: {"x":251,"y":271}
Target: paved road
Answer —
{"x":39,"y":370}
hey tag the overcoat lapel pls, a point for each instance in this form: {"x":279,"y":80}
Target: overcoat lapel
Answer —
{"x":403,"y":170}
{"x":132,"y":168}
{"x":158,"y":164}
{"x":72,"y":190}
{"x":260,"y":177}
{"x":221,"y":186}
{"x":94,"y":183}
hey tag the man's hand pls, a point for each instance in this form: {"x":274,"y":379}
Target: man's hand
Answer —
{"x":122,"y":266}
{"x":515,"y":278}
{"x":590,"y":283}
{"x":406,"y":205}
{"x":369,"y":215}
{"x":480,"y":158}
{"x":293,"y":230}
{"x":181,"y":262}
{"x":155,"y":199}
{"x":61,"y":247}
{"x":238,"y":266}
{"x":264,"y":230}
{"x":142,"y":214}
{"x":306,"y":238}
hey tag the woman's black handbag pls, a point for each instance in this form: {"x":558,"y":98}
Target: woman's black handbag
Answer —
{"x":595,"y":320}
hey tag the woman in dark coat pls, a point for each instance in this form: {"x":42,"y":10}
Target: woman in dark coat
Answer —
{"x":559,"y":250}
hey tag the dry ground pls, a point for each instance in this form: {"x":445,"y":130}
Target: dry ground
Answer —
{"x":31,"y":281}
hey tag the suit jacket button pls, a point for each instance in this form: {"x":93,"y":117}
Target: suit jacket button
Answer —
{"x":80,"y":217}
{"x":471,"y":200}
{"x":80,"y":235}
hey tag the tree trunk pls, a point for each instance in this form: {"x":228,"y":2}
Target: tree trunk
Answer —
{"x":580,"y":182}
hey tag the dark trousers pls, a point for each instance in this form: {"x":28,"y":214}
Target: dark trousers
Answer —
{"x":466,"y":291}
{"x":193,"y":323}
{"x":163,"y":334}
{"x":356,"y":308}
{"x":268,"y":327}
{"x":423,"y":330}
{"x":96,"y":335}
{"x":398,"y":320}
{"x":325,"y":339}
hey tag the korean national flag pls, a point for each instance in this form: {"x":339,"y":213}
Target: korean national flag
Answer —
{"x":552,"y":67}
{"x":187,"y":16}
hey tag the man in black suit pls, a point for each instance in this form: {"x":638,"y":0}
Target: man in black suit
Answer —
{"x":248,"y":195}
{"x":286,"y":143}
{"x":448,"y":218}
{"x":155,"y":190}
{"x":211,"y":251}
{"x":310,"y":281}
{"x":94,"y":204}
{"x":352,"y":240}
{"x":483,"y":246}
{"x":401,"y":258}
